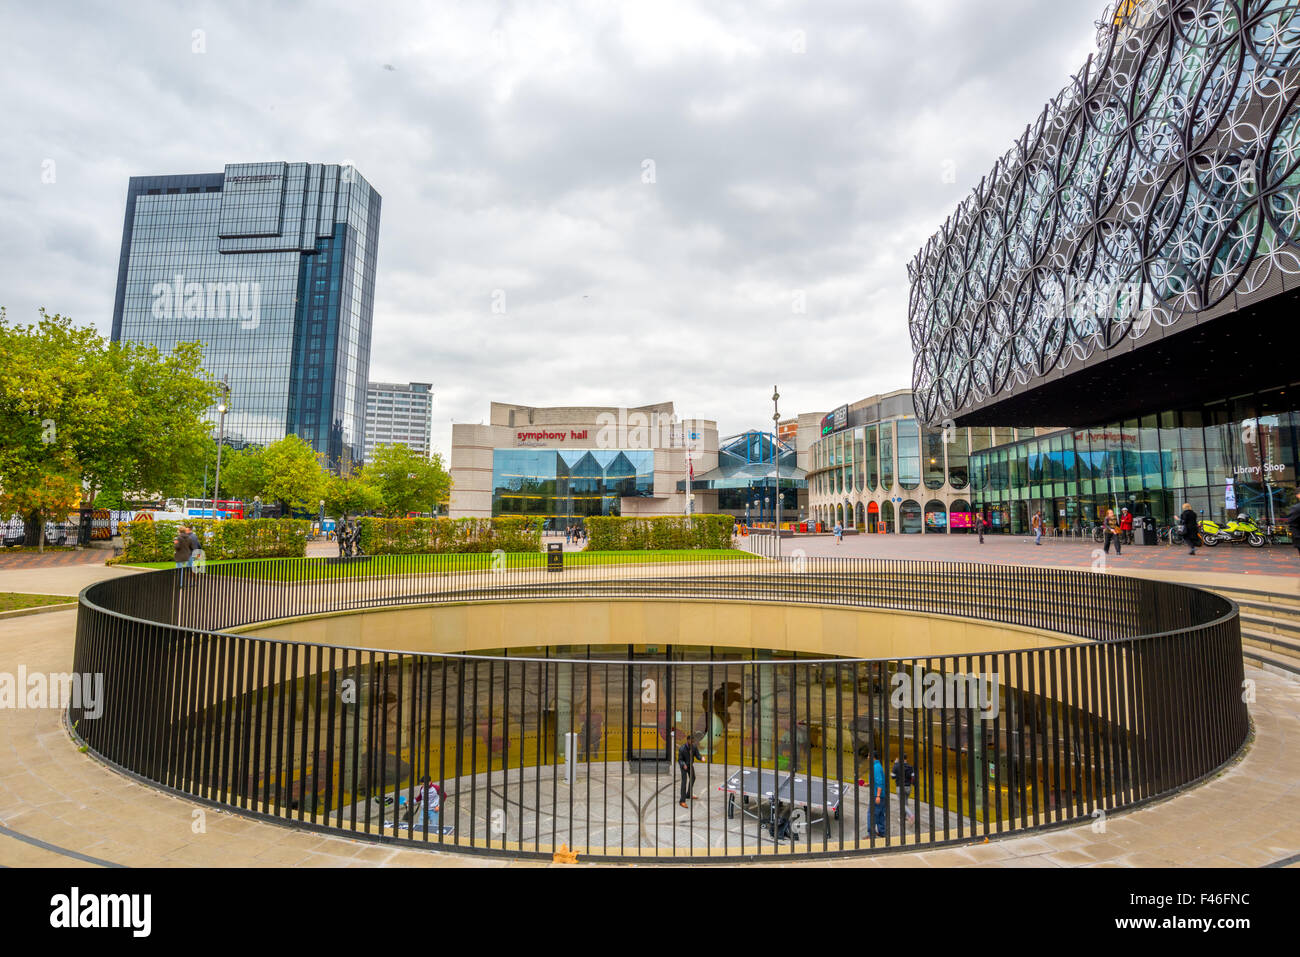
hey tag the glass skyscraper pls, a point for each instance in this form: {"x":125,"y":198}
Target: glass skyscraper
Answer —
{"x":271,"y":266}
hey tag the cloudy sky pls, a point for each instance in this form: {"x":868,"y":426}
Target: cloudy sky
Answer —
{"x":674,"y":200}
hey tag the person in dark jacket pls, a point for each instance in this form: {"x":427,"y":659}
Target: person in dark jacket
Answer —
{"x":183,"y":553}
{"x":1111,"y":526}
{"x":1293,"y":523}
{"x":687,"y":755}
{"x":1190,"y":532}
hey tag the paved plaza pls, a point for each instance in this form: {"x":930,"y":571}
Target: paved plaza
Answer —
{"x":1280,"y":560}
{"x":59,"y":807}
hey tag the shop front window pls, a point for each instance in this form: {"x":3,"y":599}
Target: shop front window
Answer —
{"x":936,"y":517}
{"x":909,"y":515}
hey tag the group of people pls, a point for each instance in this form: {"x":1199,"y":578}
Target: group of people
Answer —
{"x":575,"y":534}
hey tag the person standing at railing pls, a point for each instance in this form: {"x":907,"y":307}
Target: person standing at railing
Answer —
{"x":1190,"y":530}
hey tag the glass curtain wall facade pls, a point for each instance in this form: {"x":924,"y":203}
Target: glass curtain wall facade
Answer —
{"x":563,"y":486}
{"x":1222,"y":460}
{"x":271,"y":266}
{"x":745,"y":478}
{"x":894,"y":477}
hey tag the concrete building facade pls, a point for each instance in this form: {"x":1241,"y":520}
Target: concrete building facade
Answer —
{"x":567,"y":463}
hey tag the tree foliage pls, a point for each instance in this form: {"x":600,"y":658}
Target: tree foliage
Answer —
{"x":351,"y":495}
{"x":78,"y":411}
{"x":407,"y":481}
{"x":292,"y":475}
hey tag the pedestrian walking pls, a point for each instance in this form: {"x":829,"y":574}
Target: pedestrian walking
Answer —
{"x":183,"y":553}
{"x":1293,"y":522}
{"x":839,"y":534}
{"x":1190,"y":530}
{"x":1111,"y":526}
{"x":878,"y":812}
{"x":687,"y":755}
{"x":196,"y":547}
{"x":1037,"y":523}
{"x":904,"y":776}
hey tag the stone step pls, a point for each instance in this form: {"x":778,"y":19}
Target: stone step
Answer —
{"x":1286,"y":613}
{"x":1271,"y":624}
{"x":1276,"y":664}
{"x":1244,"y":596}
{"x":1288,"y":647}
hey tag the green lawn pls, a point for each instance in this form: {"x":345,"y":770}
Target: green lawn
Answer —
{"x":315,"y":569}
{"x":12,"y":600}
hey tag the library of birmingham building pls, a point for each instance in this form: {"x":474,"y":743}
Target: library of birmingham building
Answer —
{"x":1130,"y":268}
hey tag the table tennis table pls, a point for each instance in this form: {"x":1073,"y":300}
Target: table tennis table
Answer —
{"x":779,"y":790}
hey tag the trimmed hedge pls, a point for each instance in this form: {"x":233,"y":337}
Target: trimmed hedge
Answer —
{"x":436,"y":536}
{"x":669,"y":531}
{"x":227,"y":538}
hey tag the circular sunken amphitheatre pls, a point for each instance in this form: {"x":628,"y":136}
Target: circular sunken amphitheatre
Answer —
{"x":548,"y":708}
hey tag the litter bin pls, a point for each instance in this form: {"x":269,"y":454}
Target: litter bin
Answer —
{"x":1149,"y":531}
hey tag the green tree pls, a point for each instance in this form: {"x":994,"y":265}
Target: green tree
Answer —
{"x":97,"y":414}
{"x":292,"y":475}
{"x":407,"y":480}
{"x":243,"y":473}
{"x":351,"y":495}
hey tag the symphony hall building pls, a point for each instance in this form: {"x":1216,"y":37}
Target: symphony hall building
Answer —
{"x":564,"y":464}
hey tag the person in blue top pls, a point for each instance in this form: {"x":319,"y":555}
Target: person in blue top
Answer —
{"x":839,"y":533}
{"x":878,"y":791}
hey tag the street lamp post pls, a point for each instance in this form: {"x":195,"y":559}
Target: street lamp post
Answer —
{"x":221,"y":439}
{"x":776,"y":460}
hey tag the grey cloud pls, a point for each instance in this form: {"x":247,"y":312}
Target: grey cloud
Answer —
{"x":514,"y":162}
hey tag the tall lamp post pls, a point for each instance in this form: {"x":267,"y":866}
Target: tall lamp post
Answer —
{"x":776,"y":460}
{"x":221,"y":440}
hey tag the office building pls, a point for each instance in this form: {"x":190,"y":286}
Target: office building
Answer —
{"x":271,"y":266}
{"x":399,"y":414}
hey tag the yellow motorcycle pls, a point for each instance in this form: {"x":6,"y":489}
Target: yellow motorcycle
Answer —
{"x":1234,"y":532}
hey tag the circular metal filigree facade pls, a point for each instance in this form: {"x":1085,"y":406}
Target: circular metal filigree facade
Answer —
{"x":1162,"y":181}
